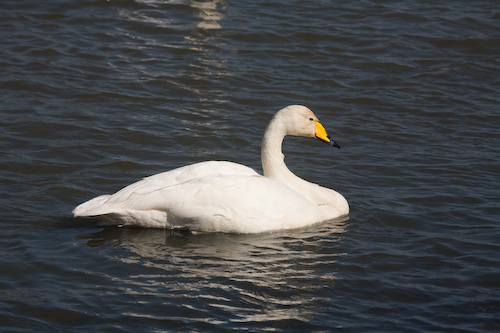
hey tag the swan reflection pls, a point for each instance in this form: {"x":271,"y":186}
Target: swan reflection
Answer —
{"x":245,"y":278}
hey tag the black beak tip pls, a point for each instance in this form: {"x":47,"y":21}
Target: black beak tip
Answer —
{"x":331,"y":142}
{"x":334,"y":144}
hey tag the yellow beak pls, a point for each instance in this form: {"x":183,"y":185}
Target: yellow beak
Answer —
{"x":321,"y":134}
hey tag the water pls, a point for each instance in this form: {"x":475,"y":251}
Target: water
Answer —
{"x":97,"y":94}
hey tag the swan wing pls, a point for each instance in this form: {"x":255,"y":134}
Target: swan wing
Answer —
{"x":149,"y":186}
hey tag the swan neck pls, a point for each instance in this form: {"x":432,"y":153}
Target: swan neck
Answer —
{"x":273,"y":160}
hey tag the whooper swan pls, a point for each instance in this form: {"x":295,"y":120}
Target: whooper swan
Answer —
{"x":217,"y":196}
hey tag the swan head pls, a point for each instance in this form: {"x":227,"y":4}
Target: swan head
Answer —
{"x":300,"y":121}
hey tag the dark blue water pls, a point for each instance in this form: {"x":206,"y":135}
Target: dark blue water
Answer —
{"x":98,"y":94}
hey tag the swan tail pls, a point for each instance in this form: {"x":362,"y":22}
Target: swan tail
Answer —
{"x":93,"y":207}
{"x":114,"y":215}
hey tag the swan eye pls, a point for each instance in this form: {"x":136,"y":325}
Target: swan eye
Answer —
{"x":311,"y":119}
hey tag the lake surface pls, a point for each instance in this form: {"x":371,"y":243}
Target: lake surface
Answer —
{"x":98,"y":94}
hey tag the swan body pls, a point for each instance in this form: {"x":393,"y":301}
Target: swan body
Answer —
{"x":218,"y":196}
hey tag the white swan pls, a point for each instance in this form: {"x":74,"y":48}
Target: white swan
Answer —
{"x":218,"y":196}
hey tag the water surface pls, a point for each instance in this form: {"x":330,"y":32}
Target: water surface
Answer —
{"x":98,"y":94}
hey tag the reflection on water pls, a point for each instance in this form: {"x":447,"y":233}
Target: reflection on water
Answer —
{"x":209,"y":66}
{"x":176,"y":54}
{"x":273,"y":276}
{"x":152,"y":243}
{"x":208,"y":13}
